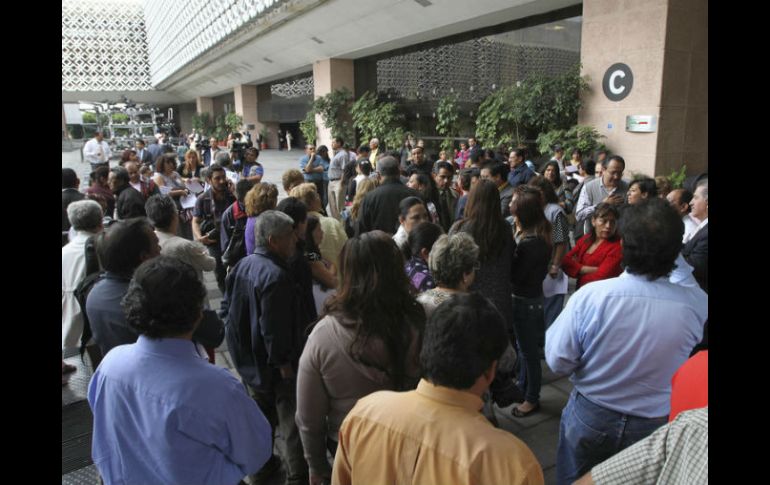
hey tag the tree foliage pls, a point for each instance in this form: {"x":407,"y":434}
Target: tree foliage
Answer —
{"x":533,"y":106}
{"x":583,"y":137}
{"x":201,"y":123}
{"x":448,"y":122}
{"x":308,"y":128}
{"x":334,"y":108}
{"x":378,"y":119}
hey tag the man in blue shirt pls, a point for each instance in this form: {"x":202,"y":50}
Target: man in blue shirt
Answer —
{"x":264,"y":332}
{"x":520,"y":172}
{"x":622,"y":339}
{"x":312,"y":167}
{"x":162,"y":413}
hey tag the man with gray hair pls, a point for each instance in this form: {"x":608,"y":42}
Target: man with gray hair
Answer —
{"x":85,"y":216}
{"x":264,"y":334}
{"x":379,"y":209}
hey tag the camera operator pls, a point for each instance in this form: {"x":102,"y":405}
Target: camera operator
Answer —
{"x":208,"y":148}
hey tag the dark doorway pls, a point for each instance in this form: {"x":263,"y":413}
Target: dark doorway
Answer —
{"x":297,"y":140}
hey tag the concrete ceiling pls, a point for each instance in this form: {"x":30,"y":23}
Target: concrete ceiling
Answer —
{"x":347,"y":29}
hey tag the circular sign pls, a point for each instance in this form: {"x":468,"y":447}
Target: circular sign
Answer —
{"x":618,"y":81}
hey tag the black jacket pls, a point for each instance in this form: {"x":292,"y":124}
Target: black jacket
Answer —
{"x":379,"y":209}
{"x":696,"y":252}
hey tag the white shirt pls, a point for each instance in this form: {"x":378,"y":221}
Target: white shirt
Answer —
{"x":690,"y":225}
{"x":96,"y":152}
{"x":692,"y":234}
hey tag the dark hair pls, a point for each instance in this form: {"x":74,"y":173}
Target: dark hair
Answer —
{"x":339,"y":140}
{"x":164,"y":298}
{"x":126,"y":155}
{"x":376,"y":295}
{"x":214,"y":167}
{"x":100,"y":173}
{"x":576,"y":150}
{"x":463,"y":336}
{"x":646,"y":186}
{"x":364,"y":149}
{"x":121,"y":246}
{"x":552,"y":163}
{"x":430,"y":191}
{"x":617,"y":158}
{"x":684,"y":196}
{"x":603,"y":210}
{"x":465,"y":178}
{"x":446,"y":166}
{"x":139,"y":140}
{"x":323,"y":152}
{"x":253,"y":150}
{"x":423,"y":235}
{"x":527,"y":208}
{"x":484,"y":221}
{"x":160,"y":210}
{"x":242,"y":187}
{"x":69,"y":179}
{"x":310,"y":244}
{"x":407,"y":203}
{"x":498,"y":168}
{"x":121,"y":175}
{"x":474,"y":157}
{"x":652,"y":238}
{"x":590,"y":166}
{"x":294,"y":208}
{"x":520,"y":152}
{"x":164,"y":160}
{"x":365,"y":166}
{"x":546,"y":188}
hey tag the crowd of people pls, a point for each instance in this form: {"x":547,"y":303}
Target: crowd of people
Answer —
{"x":383,"y":312}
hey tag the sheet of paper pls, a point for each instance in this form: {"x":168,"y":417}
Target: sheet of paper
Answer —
{"x":195,"y":187}
{"x":188,"y":201}
{"x":232,"y":176}
{"x":164,"y":189}
{"x":555,"y":286}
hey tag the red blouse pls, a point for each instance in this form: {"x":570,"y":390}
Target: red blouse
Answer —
{"x":606,"y":257}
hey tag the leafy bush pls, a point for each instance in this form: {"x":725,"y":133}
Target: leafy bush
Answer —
{"x":583,"y":137}
{"x":378,"y":119}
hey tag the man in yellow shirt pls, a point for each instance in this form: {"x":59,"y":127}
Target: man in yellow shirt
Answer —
{"x":436,"y":434}
{"x":374,"y":144}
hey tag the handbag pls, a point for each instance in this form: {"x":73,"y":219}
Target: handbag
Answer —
{"x":211,"y":331}
{"x":236,"y":247}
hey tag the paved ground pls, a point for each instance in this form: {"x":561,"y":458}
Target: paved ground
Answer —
{"x":539,"y":431}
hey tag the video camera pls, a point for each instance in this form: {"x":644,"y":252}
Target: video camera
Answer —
{"x":238,"y":147}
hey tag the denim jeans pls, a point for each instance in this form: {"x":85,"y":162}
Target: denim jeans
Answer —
{"x":552,"y":306}
{"x":589,"y":434}
{"x":528,"y":323}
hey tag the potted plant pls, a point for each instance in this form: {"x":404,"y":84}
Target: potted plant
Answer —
{"x":263,"y":134}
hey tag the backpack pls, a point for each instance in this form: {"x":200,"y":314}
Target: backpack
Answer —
{"x":236,"y":246}
{"x":93,"y":274}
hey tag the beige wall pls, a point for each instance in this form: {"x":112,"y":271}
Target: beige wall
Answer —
{"x":186,"y":112}
{"x":328,"y":75}
{"x":246,"y":106}
{"x":204,"y":105}
{"x":263,"y":96}
{"x":662,"y":49}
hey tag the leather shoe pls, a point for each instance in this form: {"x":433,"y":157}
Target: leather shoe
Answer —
{"x":523,"y":414}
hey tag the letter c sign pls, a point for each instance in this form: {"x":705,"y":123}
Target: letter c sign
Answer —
{"x":618,"y":81}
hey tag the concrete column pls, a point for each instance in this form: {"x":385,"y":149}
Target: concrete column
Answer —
{"x":328,"y":75}
{"x":665,"y":44}
{"x":246,"y":106}
{"x":204,"y":105}
{"x":264,"y":107}
{"x":186,"y":112}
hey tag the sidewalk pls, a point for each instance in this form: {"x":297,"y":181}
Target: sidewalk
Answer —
{"x":540,"y":431}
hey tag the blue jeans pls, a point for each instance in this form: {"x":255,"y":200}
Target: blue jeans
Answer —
{"x":528,"y":323}
{"x":552,"y":306}
{"x":589,"y":434}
